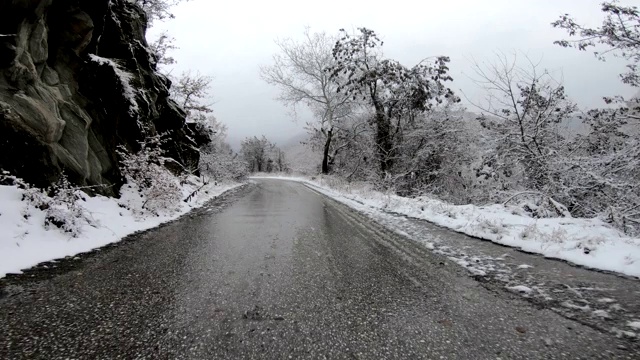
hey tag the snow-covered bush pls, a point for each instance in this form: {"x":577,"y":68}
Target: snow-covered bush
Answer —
{"x":151,"y":188}
{"x":64,"y":210}
{"x":492,"y":226}
{"x":261,"y":155}
{"x":601,"y":176}
{"x":530,"y":232}
{"x":217,"y":160}
{"x":61,"y":204}
{"x":222,"y":164}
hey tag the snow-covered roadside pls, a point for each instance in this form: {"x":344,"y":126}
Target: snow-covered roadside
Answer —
{"x":25,"y":242}
{"x":586,"y":242}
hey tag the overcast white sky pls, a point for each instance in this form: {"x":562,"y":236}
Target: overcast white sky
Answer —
{"x":229,"y":40}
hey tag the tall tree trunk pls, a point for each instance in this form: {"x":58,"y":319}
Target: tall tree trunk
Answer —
{"x":383,"y":139}
{"x":325,"y":153}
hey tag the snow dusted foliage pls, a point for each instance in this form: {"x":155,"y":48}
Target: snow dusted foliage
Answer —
{"x":396,"y":94}
{"x":619,"y":34}
{"x":435,"y":156}
{"x":604,"y":169}
{"x":405,"y":133}
{"x":218,"y":162}
{"x":431,"y":153}
{"x":602,"y":173}
{"x":61,"y":204}
{"x":161,"y":47}
{"x":189,"y":90}
{"x":222,"y":164}
{"x":523,"y":111}
{"x":64,"y":209}
{"x":151,"y":189}
{"x":529,"y":157}
{"x":261,"y":155}
{"x":157,"y":9}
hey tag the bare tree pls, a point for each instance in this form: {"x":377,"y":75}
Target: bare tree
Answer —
{"x":608,"y":167}
{"x":161,"y":47}
{"x":255,"y":152}
{"x":189,"y":90}
{"x":157,"y":9}
{"x":396,"y":93}
{"x":299,"y":72}
{"x":619,"y":34}
{"x":523,"y":108}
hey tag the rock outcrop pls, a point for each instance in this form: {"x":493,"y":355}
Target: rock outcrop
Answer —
{"x":76,"y":82}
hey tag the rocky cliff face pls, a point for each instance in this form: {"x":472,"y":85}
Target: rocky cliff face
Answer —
{"x":76,"y":82}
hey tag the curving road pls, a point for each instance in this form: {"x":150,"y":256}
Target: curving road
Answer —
{"x":276,"y":271}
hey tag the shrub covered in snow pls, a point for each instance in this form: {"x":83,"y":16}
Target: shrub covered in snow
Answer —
{"x":221,"y":164}
{"x":61,"y":204}
{"x":151,"y":188}
{"x":217,"y":160}
{"x":25,"y":241}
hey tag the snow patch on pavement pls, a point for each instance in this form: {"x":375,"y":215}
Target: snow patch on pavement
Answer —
{"x":524,"y":266}
{"x":606,"y":300}
{"x":602,"y":314}
{"x":520,"y":289}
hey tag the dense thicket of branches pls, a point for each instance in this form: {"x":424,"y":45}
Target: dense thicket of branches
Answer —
{"x":261,"y":155}
{"x":396,"y":94}
{"x":527,"y":145}
{"x":401,"y":127}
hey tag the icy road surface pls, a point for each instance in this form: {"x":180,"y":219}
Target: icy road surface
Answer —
{"x":277,"y":270}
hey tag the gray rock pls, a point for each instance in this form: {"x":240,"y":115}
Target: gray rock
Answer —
{"x":63,"y":111}
{"x":50,"y":76}
{"x":38,"y":43}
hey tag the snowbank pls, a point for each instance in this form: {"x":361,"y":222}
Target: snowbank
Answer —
{"x":25,"y":242}
{"x":587,"y":242}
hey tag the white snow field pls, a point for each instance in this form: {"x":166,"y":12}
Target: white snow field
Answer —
{"x":587,"y":242}
{"x":25,"y":241}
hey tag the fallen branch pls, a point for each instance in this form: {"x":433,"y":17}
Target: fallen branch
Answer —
{"x":522,"y":193}
{"x":195,"y":192}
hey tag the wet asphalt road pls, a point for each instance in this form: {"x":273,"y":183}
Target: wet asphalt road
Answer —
{"x":278,"y":271}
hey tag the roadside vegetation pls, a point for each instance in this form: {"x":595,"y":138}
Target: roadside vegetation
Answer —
{"x":402,"y":129}
{"x":38,"y":224}
{"x":525,"y":166}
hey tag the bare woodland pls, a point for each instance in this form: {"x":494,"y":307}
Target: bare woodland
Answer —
{"x":526,"y":143}
{"x":403,"y":129}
